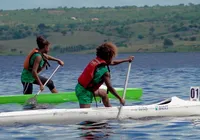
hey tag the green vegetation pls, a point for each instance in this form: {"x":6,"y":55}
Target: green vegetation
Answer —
{"x":80,"y":30}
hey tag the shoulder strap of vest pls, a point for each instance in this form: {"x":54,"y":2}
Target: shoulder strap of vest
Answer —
{"x":100,"y":62}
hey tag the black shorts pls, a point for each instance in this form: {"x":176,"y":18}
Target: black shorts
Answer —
{"x":28,"y":87}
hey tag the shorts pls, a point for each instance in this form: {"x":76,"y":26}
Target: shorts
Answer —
{"x":28,"y":87}
{"x":84,"y":96}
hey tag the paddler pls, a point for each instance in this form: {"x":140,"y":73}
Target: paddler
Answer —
{"x":95,"y":74}
{"x":34,"y":63}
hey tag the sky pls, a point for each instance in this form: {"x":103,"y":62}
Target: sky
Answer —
{"x":30,"y":4}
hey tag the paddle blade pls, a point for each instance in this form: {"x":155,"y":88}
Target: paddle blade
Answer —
{"x":30,"y":103}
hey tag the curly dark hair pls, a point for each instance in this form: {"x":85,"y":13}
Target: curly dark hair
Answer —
{"x":41,"y":42}
{"x":106,"y":51}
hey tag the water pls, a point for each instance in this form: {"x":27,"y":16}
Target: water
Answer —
{"x":161,"y":75}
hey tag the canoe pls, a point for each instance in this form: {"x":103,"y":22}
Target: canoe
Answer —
{"x":172,"y":107}
{"x":131,"y":94}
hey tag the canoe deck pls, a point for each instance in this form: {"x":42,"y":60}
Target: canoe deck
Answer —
{"x":131,"y":94}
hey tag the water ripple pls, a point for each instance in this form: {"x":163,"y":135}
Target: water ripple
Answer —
{"x":160,"y":75}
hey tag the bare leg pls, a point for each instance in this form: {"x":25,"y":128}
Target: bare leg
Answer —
{"x":84,"y":105}
{"x":103,"y":94}
{"x":54,"y":90}
{"x":50,"y":84}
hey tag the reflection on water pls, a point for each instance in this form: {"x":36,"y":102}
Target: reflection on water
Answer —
{"x":37,"y":106}
{"x":95,"y":130}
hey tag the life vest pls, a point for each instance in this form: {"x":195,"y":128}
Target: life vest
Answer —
{"x":27,"y":65}
{"x":86,"y":78}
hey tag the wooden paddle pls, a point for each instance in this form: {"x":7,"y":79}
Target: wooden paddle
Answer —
{"x":33,"y":101}
{"x":125,"y":86}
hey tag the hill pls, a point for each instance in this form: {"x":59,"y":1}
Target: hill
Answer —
{"x":80,"y":30}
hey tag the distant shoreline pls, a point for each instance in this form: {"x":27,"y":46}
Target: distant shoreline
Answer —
{"x":94,"y":53}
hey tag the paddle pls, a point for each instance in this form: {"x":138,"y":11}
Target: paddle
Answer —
{"x":33,"y":100}
{"x":125,"y":86}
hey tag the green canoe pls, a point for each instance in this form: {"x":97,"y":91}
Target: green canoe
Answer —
{"x":131,"y":94}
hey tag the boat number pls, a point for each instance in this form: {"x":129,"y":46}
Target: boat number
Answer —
{"x":194,"y":94}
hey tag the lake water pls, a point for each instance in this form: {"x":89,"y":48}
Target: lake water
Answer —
{"x":160,"y":75}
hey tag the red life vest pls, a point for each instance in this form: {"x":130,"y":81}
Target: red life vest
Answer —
{"x":85,"y":79}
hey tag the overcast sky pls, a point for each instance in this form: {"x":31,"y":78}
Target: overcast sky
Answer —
{"x":30,"y":4}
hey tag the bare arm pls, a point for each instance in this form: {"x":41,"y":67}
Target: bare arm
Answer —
{"x":107,"y":81}
{"x":35,"y":68}
{"x":116,"y":62}
{"x":54,"y":59}
{"x":50,"y":57}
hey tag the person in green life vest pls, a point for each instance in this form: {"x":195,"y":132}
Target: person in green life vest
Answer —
{"x":95,"y":74}
{"x":34,"y":63}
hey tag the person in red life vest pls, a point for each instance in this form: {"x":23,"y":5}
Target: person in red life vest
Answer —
{"x":95,"y":74}
{"x":34,"y":63}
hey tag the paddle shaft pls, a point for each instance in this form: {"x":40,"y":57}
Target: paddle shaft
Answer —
{"x":49,"y":78}
{"x":126,"y":82}
{"x":125,"y":87}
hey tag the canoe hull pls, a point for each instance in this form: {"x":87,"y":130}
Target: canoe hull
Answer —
{"x":176,"y":108}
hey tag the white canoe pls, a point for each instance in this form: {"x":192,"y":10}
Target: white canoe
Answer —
{"x":172,"y":107}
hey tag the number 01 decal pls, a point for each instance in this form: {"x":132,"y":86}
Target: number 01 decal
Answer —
{"x":194,"y":94}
